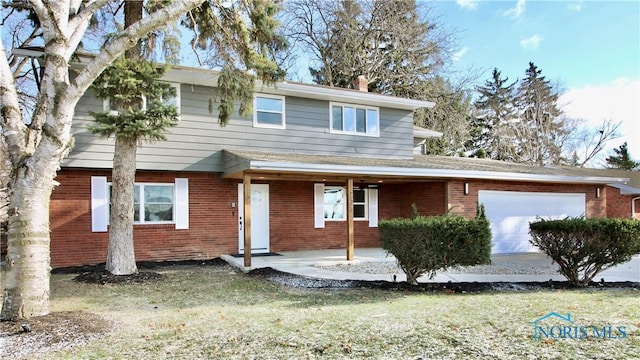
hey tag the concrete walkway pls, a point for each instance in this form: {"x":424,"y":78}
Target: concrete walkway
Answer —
{"x":304,"y":263}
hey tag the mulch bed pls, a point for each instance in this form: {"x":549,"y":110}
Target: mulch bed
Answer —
{"x":297,"y":281}
{"x":96,"y":274}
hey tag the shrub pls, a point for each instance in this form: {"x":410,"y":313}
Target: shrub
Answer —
{"x":584,"y":247}
{"x":424,"y":244}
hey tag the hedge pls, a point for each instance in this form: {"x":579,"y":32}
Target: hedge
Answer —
{"x":427,"y":244}
{"x":584,"y":247}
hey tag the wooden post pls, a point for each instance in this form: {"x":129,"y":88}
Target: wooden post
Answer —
{"x":350,"y":240}
{"x":447,"y":197}
{"x":247,"y":219}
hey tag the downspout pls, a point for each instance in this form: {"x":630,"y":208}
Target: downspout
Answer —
{"x":633,"y":207}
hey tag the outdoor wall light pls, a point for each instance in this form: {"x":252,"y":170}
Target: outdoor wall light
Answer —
{"x":466,"y":188}
{"x":597,"y":192}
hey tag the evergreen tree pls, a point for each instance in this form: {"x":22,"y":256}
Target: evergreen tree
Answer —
{"x":492,"y":124}
{"x":34,"y":142}
{"x":622,"y":160}
{"x":540,"y":130}
{"x":139,"y":114}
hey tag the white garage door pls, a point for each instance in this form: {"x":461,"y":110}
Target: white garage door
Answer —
{"x":510,"y":213}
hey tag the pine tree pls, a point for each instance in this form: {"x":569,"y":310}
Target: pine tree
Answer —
{"x":495,"y":112}
{"x":622,"y":160}
{"x":37,"y":147}
{"x":136,"y":95}
{"x":540,"y":130}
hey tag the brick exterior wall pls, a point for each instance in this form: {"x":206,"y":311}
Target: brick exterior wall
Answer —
{"x":619,"y":206}
{"x":213,"y":222}
{"x":466,"y":205}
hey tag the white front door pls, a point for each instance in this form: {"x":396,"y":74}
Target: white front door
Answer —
{"x":259,"y":218}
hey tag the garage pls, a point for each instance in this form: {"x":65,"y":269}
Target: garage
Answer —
{"x":510,"y":213}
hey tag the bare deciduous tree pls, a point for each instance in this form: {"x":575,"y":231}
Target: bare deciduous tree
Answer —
{"x":35,"y":149}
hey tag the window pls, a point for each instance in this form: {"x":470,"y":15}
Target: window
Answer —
{"x":160,"y":203}
{"x":335,"y":200}
{"x":269,"y":111}
{"x":352,"y":119}
{"x":329,"y":203}
{"x":175,"y":101}
{"x":156,"y":204}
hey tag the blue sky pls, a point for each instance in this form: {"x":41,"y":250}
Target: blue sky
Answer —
{"x":591,"y":48}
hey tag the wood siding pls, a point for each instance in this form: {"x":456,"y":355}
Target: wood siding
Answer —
{"x":196,"y":144}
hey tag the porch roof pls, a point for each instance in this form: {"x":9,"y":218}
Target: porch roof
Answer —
{"x":420,"y":167}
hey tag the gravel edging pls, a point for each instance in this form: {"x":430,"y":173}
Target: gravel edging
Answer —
{"x":496,"y":268}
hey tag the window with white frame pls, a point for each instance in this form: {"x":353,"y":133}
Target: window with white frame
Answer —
{"x":329,"y":204}
{"x":335,"y":200}
{"x":156,"y":205}
{"x":174,"y":100}
{"x":354,"y":119}
{"x":162,"y":203}
{"x":269,"y":111}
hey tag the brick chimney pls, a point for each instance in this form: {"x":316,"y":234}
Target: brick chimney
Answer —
{"x":361,"y":84}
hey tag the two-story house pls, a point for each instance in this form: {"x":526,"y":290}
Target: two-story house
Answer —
{"x":314,"y":167}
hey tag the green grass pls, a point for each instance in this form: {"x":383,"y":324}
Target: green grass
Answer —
{"x":215,"y":312}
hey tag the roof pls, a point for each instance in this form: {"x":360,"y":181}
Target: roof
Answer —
{"x":632,"y":187}
{"x":423,"y":133}
{"x":207,"y":77}
{"x":420,"y":167}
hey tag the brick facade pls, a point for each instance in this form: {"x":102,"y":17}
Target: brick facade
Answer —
{"x":466,"y":205}
{"x":620,"y":205}
{"x":213,"y":221}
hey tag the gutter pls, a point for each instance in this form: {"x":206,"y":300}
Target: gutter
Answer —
{"x":210,"y":78}
{"x":426,"y":173}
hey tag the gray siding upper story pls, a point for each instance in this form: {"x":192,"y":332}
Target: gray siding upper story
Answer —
{"x":197,"y":142}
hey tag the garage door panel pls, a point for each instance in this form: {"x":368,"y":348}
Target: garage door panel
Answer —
{"x":510,"y":213}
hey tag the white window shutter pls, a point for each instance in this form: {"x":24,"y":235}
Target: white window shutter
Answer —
{"x":99,"y":204}
{"x":318,"y":205}
{"x":373,"y":207}
{"x":182,"y":203}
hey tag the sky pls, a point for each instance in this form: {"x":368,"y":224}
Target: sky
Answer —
{"x":590,"y":49}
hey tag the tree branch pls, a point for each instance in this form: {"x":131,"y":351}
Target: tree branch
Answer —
{"x":125,"y":40}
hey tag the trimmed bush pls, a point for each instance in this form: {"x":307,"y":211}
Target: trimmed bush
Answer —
{"x":584,"y":247}
{"x":427,"y":244}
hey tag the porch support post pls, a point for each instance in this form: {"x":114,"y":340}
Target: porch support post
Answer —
{"x":447,"y":197}
{"x":247,"y":219}
{"x":350,"y":239}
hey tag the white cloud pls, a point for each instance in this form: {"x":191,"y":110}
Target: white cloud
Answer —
{"x":460,"y":53}
{"x":468,"y":4}
{"x":575,"y":6}
{"x":515,"y":11}
{"x":617,"y":101}
{"x":531,"y":43}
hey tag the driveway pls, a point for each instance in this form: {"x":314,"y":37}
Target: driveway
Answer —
{"x":372,"y":264}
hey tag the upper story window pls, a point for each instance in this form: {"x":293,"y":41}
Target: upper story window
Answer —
{"x":355,"y":119}
{"x":269,"y":111}
{"x":174,"y":100}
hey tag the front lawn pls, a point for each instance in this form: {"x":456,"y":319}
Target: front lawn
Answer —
{"x":207,"y":312}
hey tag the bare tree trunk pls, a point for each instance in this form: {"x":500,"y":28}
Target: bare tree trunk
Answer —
{"x":121,"y":258}
{"x":26,"y":292}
